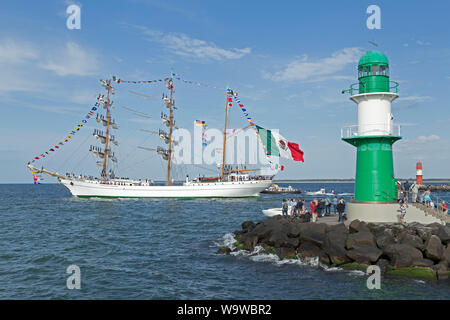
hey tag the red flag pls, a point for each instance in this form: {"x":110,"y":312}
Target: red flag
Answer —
{"x":296,"y":153}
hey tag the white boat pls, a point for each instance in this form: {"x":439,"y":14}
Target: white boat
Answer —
{"x":272,"y":212}
{"x":321,"y":192}
{"x":121,"y":188}
{"x":229,"y":184}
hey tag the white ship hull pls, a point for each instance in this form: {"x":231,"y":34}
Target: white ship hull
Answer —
{"x":227,"y":189}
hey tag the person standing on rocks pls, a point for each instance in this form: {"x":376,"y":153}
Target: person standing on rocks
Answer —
{"x":327,"y":205}
{"x":402,"y":211}
{"x":313,"y":205}
{"x":406,"y":191}
{"x":289,"y":203}
{"x":421,"y":195}
{"x":299,"y":206}
{"x":444,"y":207}
{"x":294,"y":207}
{"x":341,"y":209}
{"x":415,"y":190}
{"x":284,"y":207}
{"x":399,"y":189}
{"x":320,"y":207}
{"x":427,"y":198}
{"x":335,"y":203}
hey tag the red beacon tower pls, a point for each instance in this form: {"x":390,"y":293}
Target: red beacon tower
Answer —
{"x":419,"y":178}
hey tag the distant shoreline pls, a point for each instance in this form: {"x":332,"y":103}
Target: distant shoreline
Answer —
{"x":426,"y":181}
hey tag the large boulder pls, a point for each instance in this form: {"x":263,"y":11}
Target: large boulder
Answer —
{"x":308,"y":249}
{"x":423,"y":232}
{"x":422,"y":263}
{"x":412,"y":240}
{"x":446,"y":254}
{"x":249,"y":241}
{"x":378,"y":228}
{"x":248,"y":225}
{"x":441,"y":270}
{"x":383,"y":264}
{"x":314,"y":233}
{"x":335,"y":244}
{"x":286,"y":253}
{"x":402,"y":255}
{"x":339,"y":228}
{"x":434,"y":249}
{"x":360,"y":239}
{"x":277,"y":238}
{"x":358,"y":226}
{"x":443,"y":233}
{"x":365,"y":255}
{"x":296,"y":228}
{"x":397,"y":228}
{"x":265,"y":228}
{"x":385,"y":238}
{"x":224,"y":250}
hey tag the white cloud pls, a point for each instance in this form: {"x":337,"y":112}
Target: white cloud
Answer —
{"x":13,"y":52}
{"x":425,"y":139}
{"x":183,"y":45}
{"x":319,"y":70}
{"x":415,"y":98}
{"x":423,"y":43}
{"x":72,"y":60}
{"x":16,"y":59}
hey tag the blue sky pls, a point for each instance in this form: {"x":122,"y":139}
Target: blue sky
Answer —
{"x":288,"y":60}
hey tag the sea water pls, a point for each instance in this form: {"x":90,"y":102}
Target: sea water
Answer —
{"x":162,"y":249}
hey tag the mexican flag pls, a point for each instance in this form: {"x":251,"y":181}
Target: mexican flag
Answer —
{"x":276,"y":145}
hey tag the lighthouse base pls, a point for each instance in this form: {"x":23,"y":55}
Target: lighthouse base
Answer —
{"x":387,"y":212}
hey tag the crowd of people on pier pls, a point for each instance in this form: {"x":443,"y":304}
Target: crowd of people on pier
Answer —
{"x":417,"y":196}
{"x":317,"y":208}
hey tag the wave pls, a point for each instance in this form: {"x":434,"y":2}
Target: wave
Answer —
{"x":258,"y":255}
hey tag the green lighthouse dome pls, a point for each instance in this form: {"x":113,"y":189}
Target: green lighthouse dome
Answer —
{"x":373,"y":72}
{"x":372,"y":57}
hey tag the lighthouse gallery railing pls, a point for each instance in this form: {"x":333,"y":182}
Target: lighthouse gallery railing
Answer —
{"x":374,"y":129}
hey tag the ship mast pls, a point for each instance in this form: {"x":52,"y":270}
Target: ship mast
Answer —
{"x":169,"y":159}
{"x":108,"y":120}
{"x":225,"y":137}
{"x":105,"y":138}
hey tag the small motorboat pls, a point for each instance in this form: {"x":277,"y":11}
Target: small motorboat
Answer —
{"x":321,"y":192}
{"x":272,"y":212}
{"x":275,"y":189}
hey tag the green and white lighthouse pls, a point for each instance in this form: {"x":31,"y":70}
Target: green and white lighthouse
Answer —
{"x":375,"y":132}
{"x":376,"y":193}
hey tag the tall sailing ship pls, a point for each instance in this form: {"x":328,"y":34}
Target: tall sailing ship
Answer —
{"x":228,"y":184}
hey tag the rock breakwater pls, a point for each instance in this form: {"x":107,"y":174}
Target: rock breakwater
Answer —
{"x":413,"y":250}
